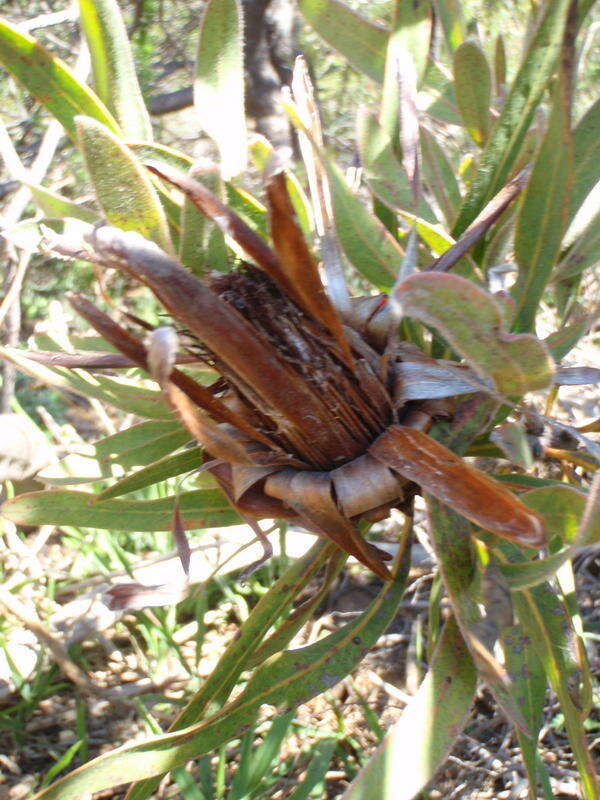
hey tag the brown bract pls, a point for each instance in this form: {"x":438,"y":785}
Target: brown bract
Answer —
{"x":310,"y":420}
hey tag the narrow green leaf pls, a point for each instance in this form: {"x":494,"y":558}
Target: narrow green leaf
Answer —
{"x":412,"y":30}
{"x":167,"y":467}
{"x":564,"y":340}
{"x":115,"y":79}
{"x":203,"y":508}
{"x":586,"y":157}
{"x":122,"y":186}
{"x":542,"y":218}
{"x":290,"y":678}
{"x":451,"y":17}
{"x":49,"y":80}
{"x":55,"y":205}
{"x":550,"y":631}
{"x":361,"y":42}
{"x":368,"y":245}
{"x":271,"y":606}
{"x":471,"y":320}
{"x":452,"y":541}
{"x":196,"y":229}
{"x":529,"y":682}
{"x":473,"y":87}
{"x":418,"y":744}
{"x":219,"y":83}
{"x":316,"y":770}
{"x":383,"y":172}
{"x":141,"y":444}
{"x":499,"y":65}
{"x":582,"y":254}
{"x":440,"y":176}
{"x":120,"y":392}
{"x":509,"y":131}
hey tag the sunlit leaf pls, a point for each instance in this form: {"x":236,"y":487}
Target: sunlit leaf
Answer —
{"x":55,"y":205}
{"x":219,"y":82}
{"x":361,"y":42}
{"x":517,"y":112}
{"x":203,"y":508}
{"x":586,"y":155}
{"x":122,"y":186}
{"x":473,"y":87}
{"x":115,"y":79}
{"x":49,"y":80}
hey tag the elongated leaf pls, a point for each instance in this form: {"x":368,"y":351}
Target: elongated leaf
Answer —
{"x":529,"y":683}
{"x":122,"y":186}
{"x":439,"y":176}
{"x":142,"y":443}
{"x":542,"y":218}
{"x":167,"y":467}
{"x":473,"y":87}
{"x":203,"y":508}
{"x":583,"y":253}
{"x":472,"y":493}
{"x":115,"y":80}
{"x":368,"y":245}
{"x":417,"y":745}
{"x":54,"y":205}
{"x":471,"y":320}
{"x":289,"y":678}
{"x":586,"y":156}
{"x":412,"y":30}
{"x":451,"y":539}
{"x":361,"y":42}
{"x":509,"y":131}
{"x":197,"y":231}
{"x":217,"y":687}
{"x":383,"y":171}
{"x":119,"y":392}
{"x":219,"y":83}
{"x":450,"y":13}
{"x":49,"y":80}
{"x":550,"y":631}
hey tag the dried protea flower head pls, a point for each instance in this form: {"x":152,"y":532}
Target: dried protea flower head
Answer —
{"x":315,"y":417}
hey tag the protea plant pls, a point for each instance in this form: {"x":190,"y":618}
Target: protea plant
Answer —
{"x":328,"y":409}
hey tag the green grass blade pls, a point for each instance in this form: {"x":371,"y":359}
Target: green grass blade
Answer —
{"x":202,"y":508}
{"x":287,"y":679}
{"x":473,"y":88}
{"x":316,"y":770}
{"x":418,"y":744}
{"x":123,"y":188}
{"x":361,"y":42}
{"x":115,"y":79}
{"x":219,"y":82}
{"x":49,"y":80}
{"x":509,"y":131}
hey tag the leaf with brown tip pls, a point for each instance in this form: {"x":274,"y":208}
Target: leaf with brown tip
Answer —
{"x":455,"y":483}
